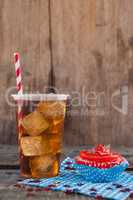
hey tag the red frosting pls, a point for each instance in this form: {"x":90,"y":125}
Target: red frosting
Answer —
{"x":101,"y":157}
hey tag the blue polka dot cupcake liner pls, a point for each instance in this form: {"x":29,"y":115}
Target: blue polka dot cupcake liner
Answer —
{"x":97,"y":175}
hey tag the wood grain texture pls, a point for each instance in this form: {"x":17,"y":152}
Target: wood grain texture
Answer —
{"x":24,"y":28}
{"x":91,"y":52}
{"x":80,"y":47}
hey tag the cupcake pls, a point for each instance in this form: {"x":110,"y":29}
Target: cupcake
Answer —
{"x":100,"y":164}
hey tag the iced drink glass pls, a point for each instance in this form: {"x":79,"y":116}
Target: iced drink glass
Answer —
{"x":40,"y":130}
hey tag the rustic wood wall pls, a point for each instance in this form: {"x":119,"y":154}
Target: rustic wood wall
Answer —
{"x":83,"y":46}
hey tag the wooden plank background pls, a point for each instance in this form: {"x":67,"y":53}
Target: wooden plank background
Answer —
{"x":80,"y":47}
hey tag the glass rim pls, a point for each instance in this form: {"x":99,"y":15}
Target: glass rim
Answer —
{"x":38,"y":97}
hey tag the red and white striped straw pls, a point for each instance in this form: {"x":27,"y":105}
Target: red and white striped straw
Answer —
{"x":18,"y":73}
{"x":19,"y":87}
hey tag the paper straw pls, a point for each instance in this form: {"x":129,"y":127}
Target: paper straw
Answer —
{"x":18,"y":73}
{"x":19,"y":86}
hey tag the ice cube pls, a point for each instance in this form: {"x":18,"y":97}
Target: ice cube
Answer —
{"x":57,"y":121}
{"x":35,"y":146}
{"x":44,"y":166}
{"x":56,"y":128}
{"x":55,"y":143}
{"x":35,"y":124}
{"x":52,"y":110}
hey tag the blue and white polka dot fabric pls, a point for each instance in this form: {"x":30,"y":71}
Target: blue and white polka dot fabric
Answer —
{"x":97,"y":175}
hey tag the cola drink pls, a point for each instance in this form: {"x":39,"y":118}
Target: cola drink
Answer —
{"x":40,"y":130}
